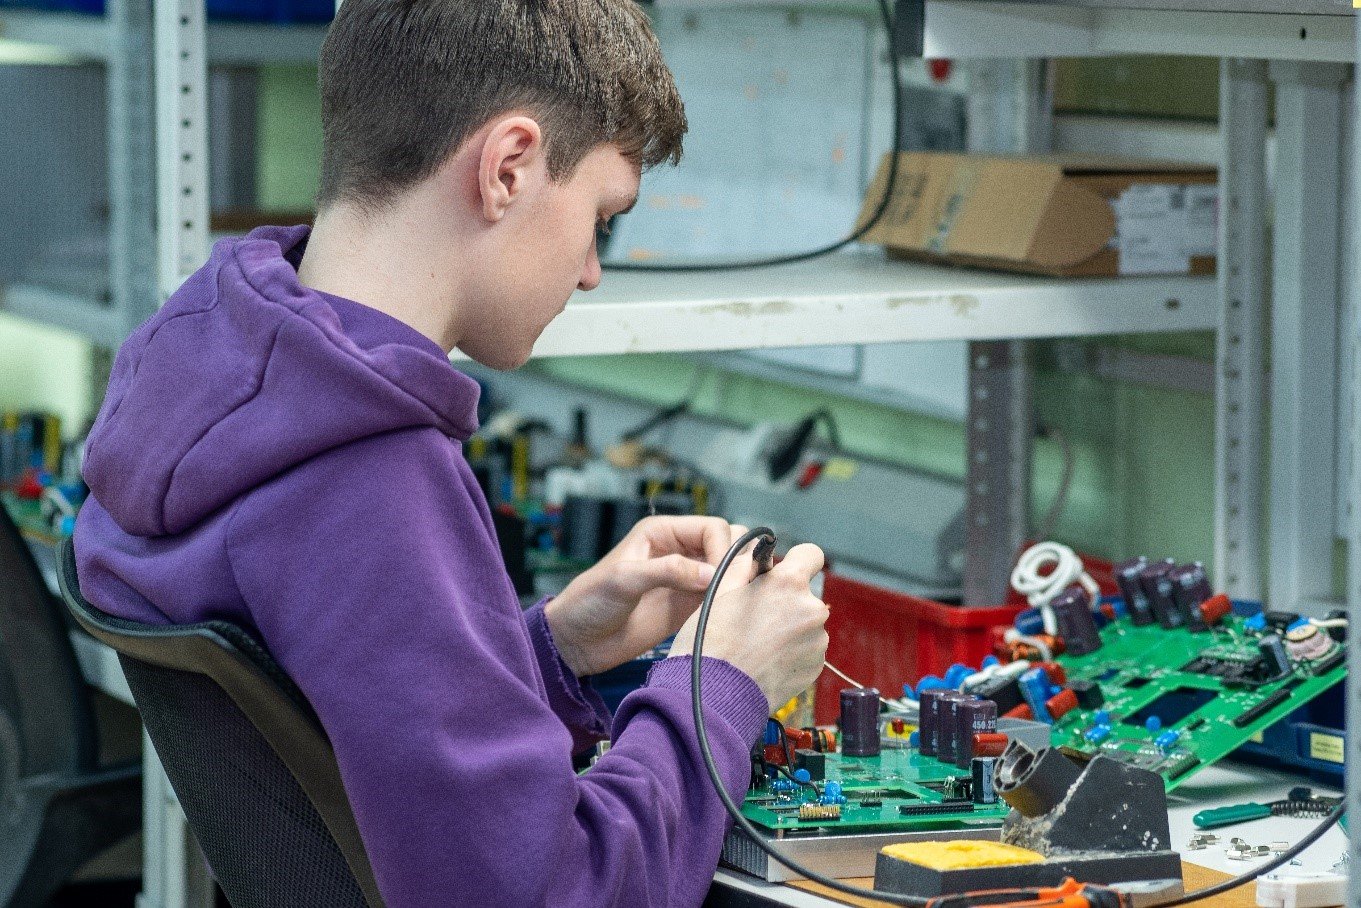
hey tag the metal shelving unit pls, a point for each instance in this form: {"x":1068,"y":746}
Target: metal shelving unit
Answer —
{"x":861,"y":298}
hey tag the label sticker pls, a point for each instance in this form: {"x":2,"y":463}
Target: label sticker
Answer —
{"x":1326,"y":747}
{"x":1159,"y":226}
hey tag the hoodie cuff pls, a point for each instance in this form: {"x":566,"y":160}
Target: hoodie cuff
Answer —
{"x":728,"y":692}
{"x":575,"y":702}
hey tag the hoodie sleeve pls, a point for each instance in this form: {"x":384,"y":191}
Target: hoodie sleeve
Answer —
{"x":573,"y":699}
{"x":372,"y":578}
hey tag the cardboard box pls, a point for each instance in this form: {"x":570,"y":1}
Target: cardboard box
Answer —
{"x":1064,"y":215}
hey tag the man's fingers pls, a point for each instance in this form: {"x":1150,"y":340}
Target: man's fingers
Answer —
{"x":802,"y":561}
{"x":698,"y":537}
{"x":672,"y":572}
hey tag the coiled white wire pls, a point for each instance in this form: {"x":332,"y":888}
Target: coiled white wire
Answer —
{"x":1028,"y":578}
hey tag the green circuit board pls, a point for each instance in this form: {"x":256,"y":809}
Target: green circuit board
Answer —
{"x":876,"y":790}
{"x":1203,"y":685}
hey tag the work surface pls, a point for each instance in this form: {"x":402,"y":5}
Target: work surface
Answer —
{"x":1215,"y":787}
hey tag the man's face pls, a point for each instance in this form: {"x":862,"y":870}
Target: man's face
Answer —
{"x":547,"y":250}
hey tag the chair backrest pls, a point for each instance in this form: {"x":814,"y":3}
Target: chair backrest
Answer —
{"x":246,"y":755}
{"x":46,"y":719}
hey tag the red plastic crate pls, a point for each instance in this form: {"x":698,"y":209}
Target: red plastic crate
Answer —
{"x":883,"y":638}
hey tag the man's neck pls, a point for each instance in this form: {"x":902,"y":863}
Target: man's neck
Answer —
{"x":381,"y":262}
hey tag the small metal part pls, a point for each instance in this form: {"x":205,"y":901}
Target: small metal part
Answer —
{"x":1202,"y":840}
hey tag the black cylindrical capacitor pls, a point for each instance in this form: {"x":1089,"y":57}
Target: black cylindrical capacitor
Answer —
{"x":1127,"y":574}
{"x":928,"y":723}
{"x":1272,"y":648}
{"x":1076,"y":624}
{"x":585,"y":527}
{"x":1190,"y":587}
{"x":1157,"y":585}
{"x":947,"y":732}
{"x":984,"y":791}
{"x":860,"y":722}
{"x":972,"y":717}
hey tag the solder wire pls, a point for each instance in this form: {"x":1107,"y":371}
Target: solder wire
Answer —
{"x":767,"y":540}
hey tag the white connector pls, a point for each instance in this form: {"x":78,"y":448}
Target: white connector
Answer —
{"x":1300,"y":889}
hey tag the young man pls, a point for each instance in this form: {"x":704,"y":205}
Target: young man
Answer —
{"x":280,"y":447}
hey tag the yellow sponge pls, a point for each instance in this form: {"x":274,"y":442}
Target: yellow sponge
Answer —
{"x":961,"y":854}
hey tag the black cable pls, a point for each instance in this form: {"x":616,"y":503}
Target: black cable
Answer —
{"x":890,"y":184}
{"x":702,"y":623}
{"x":911,"y":901}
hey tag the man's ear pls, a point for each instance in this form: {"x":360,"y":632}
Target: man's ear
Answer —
{"x":511,"y":152}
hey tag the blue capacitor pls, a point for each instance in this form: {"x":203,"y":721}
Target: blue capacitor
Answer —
{"x":772,"y":734}
{"x":1102,"y":717}
{"x":831,"y":794}
{"x":1034,"y":684}
{"x":1303,"y":622}
{"x":1153,"y":724}
{"x":990,"y":661}
{"x":1166,"y":741}
{"x":803,"y":775}
{"x":955,"y":675}
{"x":1255,"y":622}
{"x":1097,"y":734}
{"x":914,"y":739}
{"x":1030,"y":622}
{"x":908,"y":692}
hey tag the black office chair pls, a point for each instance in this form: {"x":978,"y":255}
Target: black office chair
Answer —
{"x":58,"y":806}
{"x":246,"y":755}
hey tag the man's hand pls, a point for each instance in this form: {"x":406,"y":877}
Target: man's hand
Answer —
{"x":642,"y":591}
{"x":770,"y":628}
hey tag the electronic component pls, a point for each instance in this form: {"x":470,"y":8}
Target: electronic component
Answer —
{"x":1088,"y":693}
{"x":813,"y":762}
{"x":982,"y":770}
{"x":947,"y":732}
{"x":1208,"y":614}
{"x":1274,"y":655}
{"x":989,"y":744}
{"x":1001,"y":689}
{"x":973,"y":718}
{"x":1307,"y":642}
{"x":860,"y":722}
{"x":1072,"y":610}
{"x":1127,"y":577}
{"x":822,"y":812}
{"x":1035,"y":689}
{"x":1156,"y":582}
{"x":1190,"y":587}
{"x":928,"y":730}
{"x":1281,"y":621}
{"x":1061,"y":704}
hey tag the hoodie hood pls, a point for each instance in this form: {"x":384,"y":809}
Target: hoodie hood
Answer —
{"x":245,"y":373}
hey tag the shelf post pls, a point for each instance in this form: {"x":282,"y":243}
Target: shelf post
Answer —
{"x":131,"y":152}
{"x":181,"y":139}
{"x":1240,"y":387}
{"x":1304,"y":317}
{"x":1351,"y":425}
{"x":1010,"y":110}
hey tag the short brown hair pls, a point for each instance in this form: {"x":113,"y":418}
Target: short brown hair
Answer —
{"x":405,"y":82}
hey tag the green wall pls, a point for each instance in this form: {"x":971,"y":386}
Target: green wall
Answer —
{"x":44,"y":368}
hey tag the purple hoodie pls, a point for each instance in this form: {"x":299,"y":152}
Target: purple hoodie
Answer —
{"x":292,"y":461}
